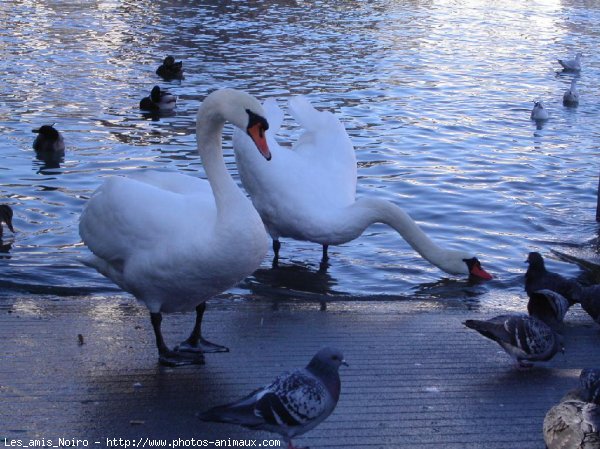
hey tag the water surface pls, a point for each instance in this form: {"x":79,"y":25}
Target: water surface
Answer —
{"x":434,"y":94}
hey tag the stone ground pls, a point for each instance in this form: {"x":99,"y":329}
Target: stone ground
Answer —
{"x":417,"y":377}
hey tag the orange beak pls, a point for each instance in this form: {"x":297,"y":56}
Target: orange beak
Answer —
{"x":479,"y":272}
{"x":257,"y":134}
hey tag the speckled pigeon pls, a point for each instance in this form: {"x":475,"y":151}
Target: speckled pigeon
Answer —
{"x":293,"y":404}
{"x":538,"y":278}
{"x":525,"y":338}
{"x":548,"y":306}
{"x":574,"y":423}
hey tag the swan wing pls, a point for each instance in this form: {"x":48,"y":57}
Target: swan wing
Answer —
{"x":126,"y":217}
{"x":325,"y":140}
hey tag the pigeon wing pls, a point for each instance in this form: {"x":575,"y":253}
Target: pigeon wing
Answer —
{"x":530,"y":335}
{"x":294,"y":400}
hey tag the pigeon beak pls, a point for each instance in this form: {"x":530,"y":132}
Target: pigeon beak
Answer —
{"x":345,"y":363}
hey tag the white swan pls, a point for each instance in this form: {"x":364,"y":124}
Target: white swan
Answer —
{"x":174,"y":241}
{"x":308,"y":192}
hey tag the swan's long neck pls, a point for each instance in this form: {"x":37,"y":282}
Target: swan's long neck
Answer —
{"x":369,"y":210}
{"x":209,"y":131}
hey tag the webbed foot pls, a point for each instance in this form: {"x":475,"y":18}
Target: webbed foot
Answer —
{"x":199,"y":347}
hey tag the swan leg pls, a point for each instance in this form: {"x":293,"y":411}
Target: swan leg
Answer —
{"x":195,"y":343}
{"x":276,"y":247}
{"x":323,"y":265}
{"x":165,"y":355}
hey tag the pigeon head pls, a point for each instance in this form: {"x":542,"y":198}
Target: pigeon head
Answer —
{"x":535,"y":261}
{"x":327,"y":359}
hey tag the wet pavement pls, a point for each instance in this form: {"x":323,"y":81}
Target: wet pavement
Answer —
{"x":86,"y":368}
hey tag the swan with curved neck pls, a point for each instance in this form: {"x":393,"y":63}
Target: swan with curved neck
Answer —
{"x":308,"y":192}
{"x":174,"y":241}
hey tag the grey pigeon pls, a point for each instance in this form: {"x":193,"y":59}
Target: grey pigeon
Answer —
{"x":525,"y":338}
{"x":589,"y":297}
{"x":574,"y":423}
{"x":293,"y":404}
{"x":548,"y":306}
{"x":538,"y":278}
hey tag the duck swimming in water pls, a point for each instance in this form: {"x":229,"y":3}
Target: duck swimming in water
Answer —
{"x":159,"y":101}
{"x":170,"y":69}
{"x":48,"y":140}
{"x":539,"y":112}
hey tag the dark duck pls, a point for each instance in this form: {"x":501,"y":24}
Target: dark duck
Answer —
{"x":159,"y":101}
{"x":170,"y":69}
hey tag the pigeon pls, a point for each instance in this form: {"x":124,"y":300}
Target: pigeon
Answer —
{"x":539,"y":112}
{"x":571,"y":95}
{"x":170,"y":69}
{"x":571,"y":65}
{"x":48,"y":140}
{"x":548,"y":306}
{"x":525,"y":338}
{"x":538,"y":278}
{"x":575,"y":421}
{"x":293,"y":404}
{"x":572,"y":424}
{"x":6,"y":214}
{"x":159,"y":101}
{"x":589,"y":297}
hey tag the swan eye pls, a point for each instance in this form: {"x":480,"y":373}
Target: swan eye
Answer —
{"x":257,"y":120}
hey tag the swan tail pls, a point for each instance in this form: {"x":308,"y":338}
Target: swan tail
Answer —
{"x":305,"y":114}
{"x":105,"y":269}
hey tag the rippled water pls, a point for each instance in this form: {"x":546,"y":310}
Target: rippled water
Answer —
{"x":435,"y":95}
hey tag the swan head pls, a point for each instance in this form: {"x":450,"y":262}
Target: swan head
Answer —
{"x":476,"y":270}
{"x":242,"y":110}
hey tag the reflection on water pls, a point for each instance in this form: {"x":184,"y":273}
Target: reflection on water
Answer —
{"x":435,"y":98}
{"x":291,"y":280}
